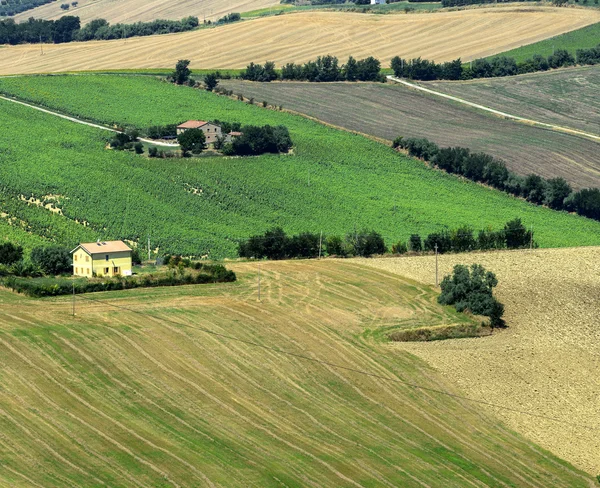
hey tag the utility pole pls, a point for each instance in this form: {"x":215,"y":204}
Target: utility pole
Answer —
{"x":531,"y":240}
{"x":148,"y":248}
{"x":73,"y":299}
{"x":259,"y":282}
{"x":436,"y":265}
{"x":320,"y":244}
{"x":41,"y":46}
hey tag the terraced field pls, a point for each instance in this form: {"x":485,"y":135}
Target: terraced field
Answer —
{"x":333,"y":182}
{"x":387,"y":111}
{"x":547,"y":361}
{"x":150,"y":388}
{"x":303,"y":36}
{"x":129,"y":11}
{"x":567,"y":97}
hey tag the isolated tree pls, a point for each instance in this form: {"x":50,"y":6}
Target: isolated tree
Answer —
{"x":192,"y":140}
{"x":472,"y":290}
{"x":9,"y":253}
{"x":211,"y":81}
{"x":52,"y":260}
{"x":517,"y":236}
{"x":182,"y":72}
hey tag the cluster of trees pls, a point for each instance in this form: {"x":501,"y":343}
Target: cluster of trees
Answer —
{"x":68,"y":29}
{"x":555,"y":193}
{"x":229,"y":18}
{"x":8,"y":8}
{"x":324,"y":69}
{"x":276,"y":244}
{"x":67,"y":6}
{"x":472,"y":290}
{"x":514,"y":235}
{"x":127,"y":141}
{"x":423,"y":69}
{"x":257,"y":140}
{"x":459,"y":3}
{"x":51,"y":261}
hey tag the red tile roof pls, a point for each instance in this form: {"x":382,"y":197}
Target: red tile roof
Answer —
{"x":103,"y":247}
{"x":192,"y":124}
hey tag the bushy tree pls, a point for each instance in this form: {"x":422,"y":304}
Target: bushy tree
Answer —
{"x":516,"y":235}
{"x":182,"y":72}
{"x":556,"y":191}
{"x":52,"y":260}
{"x":211,"y":81}
{"x":414,"y":243}
{"x":472,"y":290}
{"x":9,"y":253}
{"x":334,"y":245}
{"x":192,"y":140}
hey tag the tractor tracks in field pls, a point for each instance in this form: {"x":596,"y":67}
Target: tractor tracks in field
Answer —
{"x":83,"y":122}
{"x":504,"y":115}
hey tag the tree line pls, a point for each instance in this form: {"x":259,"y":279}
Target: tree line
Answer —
{"x":323,"y":69}
{"x":426,"y":70}
{"x":68,"y":28}
{"x":276,"y":244}
{"x":555,"y":193}
{"x":8,"y":8}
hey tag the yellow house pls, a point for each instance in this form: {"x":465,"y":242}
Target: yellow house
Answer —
{"x":109,"y":258}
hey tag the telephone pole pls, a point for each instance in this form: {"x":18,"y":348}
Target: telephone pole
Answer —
{"x":259,"y":282}
{"x":531,"y":240}
{"x":436,"y":265}
{"x":320,"y":244}
{"x":148,"y":248}
{"x":73,"y":299}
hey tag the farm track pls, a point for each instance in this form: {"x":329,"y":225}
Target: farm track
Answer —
{"x":132,"y":392}
{"x":299,"y":37}
{"x":387,"y":111}
{"x":546,"y":361}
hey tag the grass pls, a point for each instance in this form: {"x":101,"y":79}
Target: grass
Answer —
{"x":334,"y":181}
{"x":388,"y":111}
{"x":142,"y":394}
{"x":565,"y":97}
{"x":583,"y":38}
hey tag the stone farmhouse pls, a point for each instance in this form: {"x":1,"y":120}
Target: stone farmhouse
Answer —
{"x":110,"y":258}
{"x":211,"y":131}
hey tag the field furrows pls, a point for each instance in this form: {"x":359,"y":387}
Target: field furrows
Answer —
{"x":303,"y":36}
{"x":387,"y":111}
{"x":129,"y":11}
{"x":547,"y":361}
{"x":566,"y":97}
{"x":141,"y":396}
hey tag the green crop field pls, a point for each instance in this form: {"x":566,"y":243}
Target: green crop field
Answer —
{"x":333,"y":181}
{"x":136,"y":390}
{"x":583,"y":38}
{"x":567,"y":97}
{"x":388,"y":111}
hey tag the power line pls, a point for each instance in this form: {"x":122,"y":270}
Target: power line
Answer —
{"x":346,"y":368}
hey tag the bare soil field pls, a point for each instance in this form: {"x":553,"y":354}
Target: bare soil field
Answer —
{"x":150,"y":388}
{"x":567,"y":97}
{"x":547,"y":361}
{"x":387,"y":111}
{"x":303,"y":36}
{"x":129,"y":11}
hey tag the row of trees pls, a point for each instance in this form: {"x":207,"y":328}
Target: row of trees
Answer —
{"x":323,"y":69}
{"x":68,"y":28}
{"x":423,"y":69}
{"x":555,"y":193}
{"x":276,"y":244}
{"x":8,"y":8}
{"x":50,"y":260}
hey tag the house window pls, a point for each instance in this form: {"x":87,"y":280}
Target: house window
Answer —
{"x":116,"y":270}
{"x":107,"y":257}
{"x":76,"y":270}
{"x":87,"y":259}
{"x":88,"y":271}
{"x":105,"y":270}
{"x":75,"y":257}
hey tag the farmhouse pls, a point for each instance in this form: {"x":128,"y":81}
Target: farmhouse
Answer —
{"x":211,"y":131}
{"x":109,"y":258}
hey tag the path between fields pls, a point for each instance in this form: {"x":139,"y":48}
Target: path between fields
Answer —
{"x":90,"y":124}
{"x":559,"y":128}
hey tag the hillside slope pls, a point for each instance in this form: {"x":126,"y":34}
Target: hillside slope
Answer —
{"x":303,"y":36}
{"x":547,"y":361}
{"x":129,"y":11}
{"x":147,"y":388}
{"x":333,"y":181}
{"x":389,"y":111}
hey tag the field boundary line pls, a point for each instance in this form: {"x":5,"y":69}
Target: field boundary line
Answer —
{"x":83,"y":122}
{"x":505,"y":115}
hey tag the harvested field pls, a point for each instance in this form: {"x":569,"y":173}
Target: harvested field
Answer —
{"x":303,"y":36}
{"x":388,"y":111}
{"x":547,"y":362}
{"x":129,"y":11}
{"x":142,"y":396}
{"x":567,"y":97}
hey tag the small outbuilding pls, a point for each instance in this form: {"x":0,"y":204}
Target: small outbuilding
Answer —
{"x":377,"y":2}
{"x":110,"y":258}
{"x":232,"y":135}
{"x":211,"y":131}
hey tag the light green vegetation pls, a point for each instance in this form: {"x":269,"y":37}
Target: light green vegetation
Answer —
{"x":396,"y":7}
{"x":143,"y":396}
{"x":583,"y":38}
{"x":567,"y":97}
{"x":333,"y":181}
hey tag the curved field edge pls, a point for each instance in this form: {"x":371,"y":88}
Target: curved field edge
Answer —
{"x":141,"y":394}
{"x":334,"y":181}
{"x":444,"y":36}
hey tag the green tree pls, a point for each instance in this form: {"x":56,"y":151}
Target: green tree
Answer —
{"x":557,"y":189}
{"x":517,"y":236}
{"x":182,"y":72}
{"x":9,"y":253}
{"x":472,"y":290}
{"x":52,"y":260}
{"x":211,"y":81}
{"x":350,"y":70}
{"x":414,"y":243}
{"x":192,"y":140}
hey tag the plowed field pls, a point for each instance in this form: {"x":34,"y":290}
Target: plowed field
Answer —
{"x":547,"y":361}
{"x":299,"y":37}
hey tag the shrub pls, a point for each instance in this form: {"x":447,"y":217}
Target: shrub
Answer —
{"x":399,"y":248}
{"x":9,"y":253}
{"x":414,"y":243}
{"x":472,"y":290}
{"x":517,"y":236}
{"x":52,"y":260}
{"x":334,"y":245}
